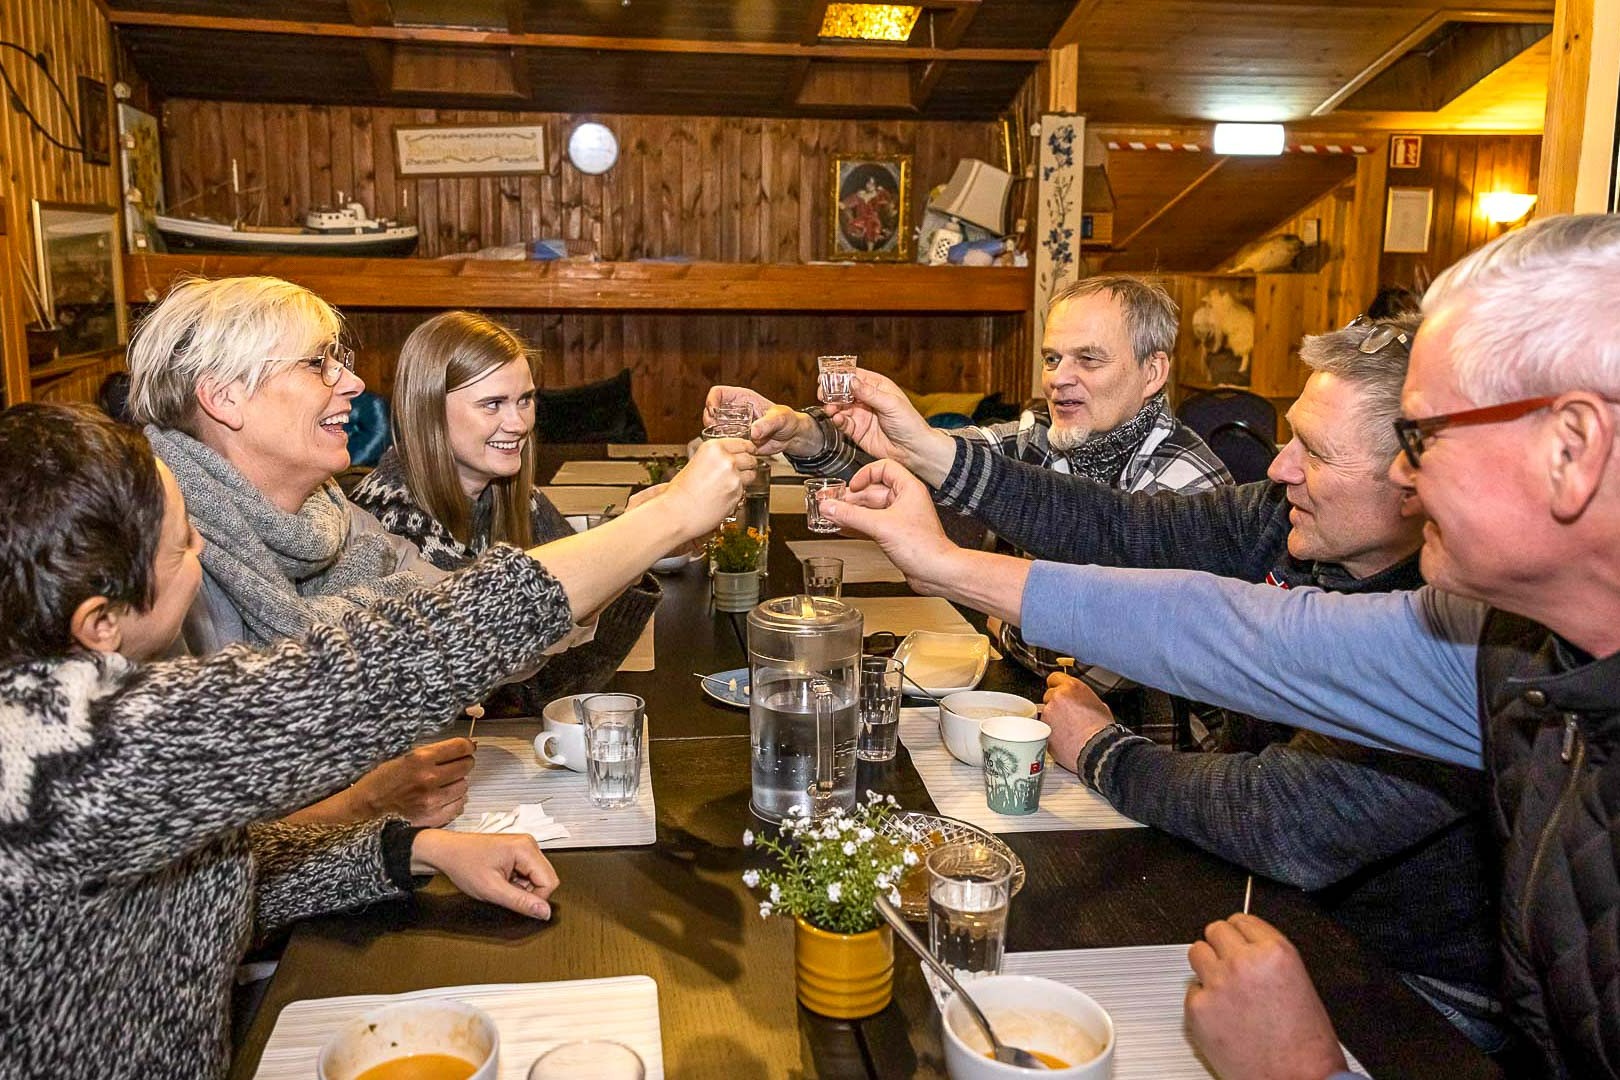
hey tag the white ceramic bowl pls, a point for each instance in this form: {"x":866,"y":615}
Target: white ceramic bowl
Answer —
{"x":960,"y":716}
{"x":1032,"y":1014}
{"x":412,"y":1027}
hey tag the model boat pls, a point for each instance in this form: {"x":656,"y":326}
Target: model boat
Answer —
{"x":342,"y":230}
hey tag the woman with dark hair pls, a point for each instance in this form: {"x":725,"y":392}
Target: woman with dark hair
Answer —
{"x":138,"y":858}
{"x":460,"y":477}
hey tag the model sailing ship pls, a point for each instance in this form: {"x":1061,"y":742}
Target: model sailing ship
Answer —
{"x":342,"y":230}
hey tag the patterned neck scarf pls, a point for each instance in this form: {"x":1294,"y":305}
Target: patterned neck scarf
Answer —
{"x":1104,"y":456}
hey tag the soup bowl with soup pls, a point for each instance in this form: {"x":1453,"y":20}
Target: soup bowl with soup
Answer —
{"x":961,"y":715}
{"x":414,"y":1040}
{"x":1071,"y":1034}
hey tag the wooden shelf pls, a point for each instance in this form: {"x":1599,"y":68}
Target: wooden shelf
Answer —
{"x":608,"y":286}
{"x":58,"y":368}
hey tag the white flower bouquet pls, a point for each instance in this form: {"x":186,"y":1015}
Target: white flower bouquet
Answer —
{"x":830,"y":872}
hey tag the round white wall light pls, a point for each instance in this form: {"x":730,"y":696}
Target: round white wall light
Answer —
{"x":592,"y":148}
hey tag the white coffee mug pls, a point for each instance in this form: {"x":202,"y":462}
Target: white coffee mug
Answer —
{"x":562,"y":742}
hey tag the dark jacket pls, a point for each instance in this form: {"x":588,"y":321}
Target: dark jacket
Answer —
{"x":1393,"y":846}
{"x":1551,"y":723}
{"x":581,"y":669}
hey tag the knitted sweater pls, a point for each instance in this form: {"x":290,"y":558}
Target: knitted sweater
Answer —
{"x":132,"y":873}
{"x":583,"y":668}
{"x":1393,"y":845}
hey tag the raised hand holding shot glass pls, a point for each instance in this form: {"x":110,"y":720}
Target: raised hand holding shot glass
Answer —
{"x":815,"y":491}
{"x":835,"y":375}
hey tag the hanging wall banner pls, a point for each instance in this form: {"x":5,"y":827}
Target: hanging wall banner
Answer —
{"x":1057,"y":232}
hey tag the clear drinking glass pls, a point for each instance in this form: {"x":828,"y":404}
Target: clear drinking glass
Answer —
{"x":824,"y":576}
{"x":969,"y":886}
{"x":613,"y":724}
{"x":836,"y":378}
{"x":598,"y":1059}
{"x":754,"y":509}
{"x":814,"y":492}
{"x":880,"y":709}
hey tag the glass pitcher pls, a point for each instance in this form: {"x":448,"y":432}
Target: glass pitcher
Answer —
{"x":804,"y":659}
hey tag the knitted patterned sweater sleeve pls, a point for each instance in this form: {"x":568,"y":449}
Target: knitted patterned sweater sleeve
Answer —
{"x":1231,"y":531}
{"x":193,"y":748}
{"x":1305,"y":815}
{"x":305,"y":870}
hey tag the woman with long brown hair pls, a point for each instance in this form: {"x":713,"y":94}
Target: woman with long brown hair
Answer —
{"x":460,"y":477}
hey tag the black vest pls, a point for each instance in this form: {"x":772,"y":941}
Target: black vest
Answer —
{"x":1551,"y":723}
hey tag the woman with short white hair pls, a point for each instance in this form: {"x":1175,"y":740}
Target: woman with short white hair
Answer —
{"x":244,"y":386}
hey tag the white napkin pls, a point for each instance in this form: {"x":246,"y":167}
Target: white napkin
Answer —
{"x":528,"y":818}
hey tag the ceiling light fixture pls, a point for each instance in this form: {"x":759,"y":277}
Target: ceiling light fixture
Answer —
{"x":1505,"y":207}
{"x":870,"y":22}
{"x":1249,"y":139}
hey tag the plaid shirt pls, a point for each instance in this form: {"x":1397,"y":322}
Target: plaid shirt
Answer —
{"x":1171,"y":458}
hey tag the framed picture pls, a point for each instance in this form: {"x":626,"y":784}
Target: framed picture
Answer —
{"x":95,"y":121}
{"x":871,"y":197}
{"x":81,"y":275}
{"x":1407,"y":217}
{"x":471,"y":149}
{"x":141,"y":156}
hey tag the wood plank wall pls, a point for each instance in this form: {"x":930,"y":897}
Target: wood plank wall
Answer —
{"x":1459,"y":168}
{"x":75,"y":37}
{"x":734,"y":189}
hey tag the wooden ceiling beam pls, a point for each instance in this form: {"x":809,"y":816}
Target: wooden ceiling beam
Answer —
{"x":446,"y":36}
{"x":1175,"y":200}
{"x":1073,"y":28}
{"x":924,"y":77}
{"x":1411,"y":39}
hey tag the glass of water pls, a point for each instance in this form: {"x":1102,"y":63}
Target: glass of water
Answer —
{"x":969,"y":886}
{"x":613,"y":724}
{"x":824,"y":576}
{"x":601,"y":1059}
{"x":880,"y":709}
{"x":814,"y":492}
{"x":836,"y":378}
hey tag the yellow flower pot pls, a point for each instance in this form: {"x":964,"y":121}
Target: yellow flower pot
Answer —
{"x":844,"y":976}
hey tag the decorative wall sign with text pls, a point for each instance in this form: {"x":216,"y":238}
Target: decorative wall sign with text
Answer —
{"x":484,"y":150}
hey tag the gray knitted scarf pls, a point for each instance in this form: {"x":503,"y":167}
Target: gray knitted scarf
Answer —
{"x":284,"y":572}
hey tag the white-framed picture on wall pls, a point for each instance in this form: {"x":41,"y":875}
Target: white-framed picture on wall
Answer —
{"x":1407,"y":217}
{"x":471,"y":149}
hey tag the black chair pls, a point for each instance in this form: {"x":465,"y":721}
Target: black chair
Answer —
{"x":1209,"y":409}
{"x":597,"y":412}
{"x":1245,"y":452}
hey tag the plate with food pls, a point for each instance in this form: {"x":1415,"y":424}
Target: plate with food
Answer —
{"x":923,"y":833}
{"x":727,"y":687}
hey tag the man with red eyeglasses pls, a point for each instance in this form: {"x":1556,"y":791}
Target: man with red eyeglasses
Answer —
{"x":1509,"y":661}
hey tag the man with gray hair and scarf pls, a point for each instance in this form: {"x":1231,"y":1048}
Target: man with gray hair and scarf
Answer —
{"x":1105,"y":359}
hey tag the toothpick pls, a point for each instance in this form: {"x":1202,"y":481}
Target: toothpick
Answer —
{"x":1248,"y":891}
{"x":474,"y":713}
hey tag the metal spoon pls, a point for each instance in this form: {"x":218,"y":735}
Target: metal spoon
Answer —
{"x":1010,"y":1055}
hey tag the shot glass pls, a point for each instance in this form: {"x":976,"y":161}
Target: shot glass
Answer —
{"x":601,"y":1059}
{"x":969,"y":887}
{"x":823,"y":576}
{"x":836,"y":378}
{"x":613,"y":724}
{"x":814,"y":492}
{"x":879,"y":739}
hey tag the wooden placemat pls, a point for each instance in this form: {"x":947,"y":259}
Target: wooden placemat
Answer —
{"x":531,"y":1017}
{"x":958,"y":789}
{"x":601,"y":472}
{"x":585,"y":500}
{"x":864,"y":561}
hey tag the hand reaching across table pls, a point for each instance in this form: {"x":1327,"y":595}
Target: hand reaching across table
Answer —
{"x":1253,"y":1011}
{"x":883,"y":422}
{"x":1075,"y":713}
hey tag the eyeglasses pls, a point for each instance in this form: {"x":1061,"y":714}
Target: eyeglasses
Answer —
{"x":1412,"y":433}
{"x":1378,"y":335}
{"x":333,"y":361}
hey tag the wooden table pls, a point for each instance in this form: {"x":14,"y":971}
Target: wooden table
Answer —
{"x":678,"y":911}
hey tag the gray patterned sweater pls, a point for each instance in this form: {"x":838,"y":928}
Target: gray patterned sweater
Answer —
{"x":132,"y":871}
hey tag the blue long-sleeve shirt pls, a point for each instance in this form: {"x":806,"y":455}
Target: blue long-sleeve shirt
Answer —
{"x":1390,"y":670}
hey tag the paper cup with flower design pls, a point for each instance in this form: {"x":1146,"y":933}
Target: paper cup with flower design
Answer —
{"x":1014,"y":763}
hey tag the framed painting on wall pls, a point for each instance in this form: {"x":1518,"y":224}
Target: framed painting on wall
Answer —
{"x":81,"y":275}
{"x":95,"y":123}
{"x":1407,"y":217}
{"x":141,"y":156}
{"x":870,"y":200}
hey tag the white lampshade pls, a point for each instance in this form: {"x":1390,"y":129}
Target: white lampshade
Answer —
{"x":977,"y":194}
{"x":1505,"y":207}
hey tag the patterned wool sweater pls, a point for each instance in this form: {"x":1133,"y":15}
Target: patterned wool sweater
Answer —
{"x":135,"y":864}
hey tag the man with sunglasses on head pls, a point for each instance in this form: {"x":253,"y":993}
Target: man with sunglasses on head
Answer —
{"x":1508,"y":661}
